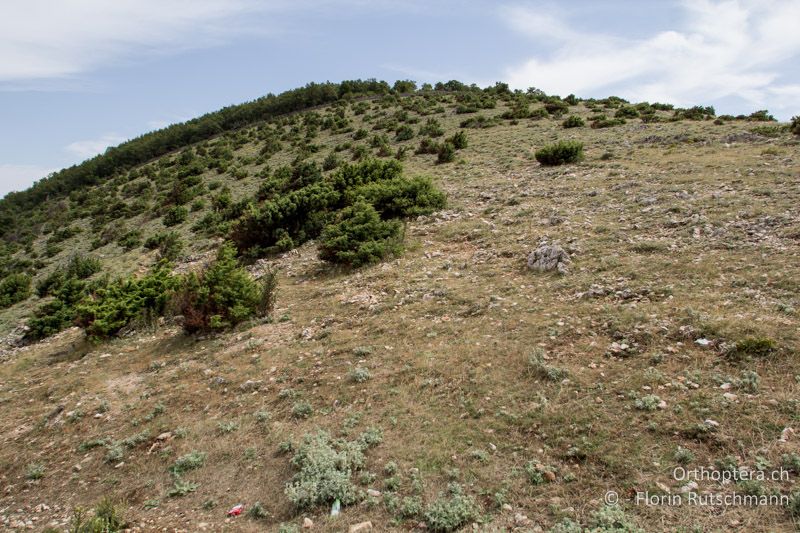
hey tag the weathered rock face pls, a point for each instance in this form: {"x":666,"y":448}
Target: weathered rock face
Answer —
{"x":549,"y":257}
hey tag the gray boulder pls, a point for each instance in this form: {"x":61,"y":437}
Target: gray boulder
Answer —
{"x":549,"y":257}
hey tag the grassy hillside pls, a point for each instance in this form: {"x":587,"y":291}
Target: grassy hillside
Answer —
{"x":455,"y":385}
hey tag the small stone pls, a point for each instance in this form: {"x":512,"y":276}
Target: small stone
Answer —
{"x":250,"y":385}
{"x":550,"y":476}
{"x":521,"y":520}
{"x":373,"y":493}
{"x":307,"y":523}
{"x":77,"y":468}
{"x":689,"y":487}
{"x":730,"y":396}
{"x":363,"y":526}
{"x":507,"y":507}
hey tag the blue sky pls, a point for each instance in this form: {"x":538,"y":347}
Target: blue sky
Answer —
{"x":79,"y":75}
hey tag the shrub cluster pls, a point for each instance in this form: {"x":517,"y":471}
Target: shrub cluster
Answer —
{"x":360,"y":237}
{"x":560,"y":153}
{"x":169,"y":245}
{"x":325,"y":467}
{"x":795,"y":125}
{"x":105,"y":311}
{"x":451,"y":512}
{"x":176,"y":215}
{"x":223,"y":295}
{"x":14,"y":289}
{"x":573,"y":121}
{"x":292,"y":212}
{"x":602,"y":121}
{"x":78,"y":267}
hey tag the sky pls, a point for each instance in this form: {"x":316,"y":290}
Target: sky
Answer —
{"x":78,"y":76}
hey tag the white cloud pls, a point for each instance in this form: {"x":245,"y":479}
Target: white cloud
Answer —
{"x":726,"y":49}
{"x":45,"y":39}
{"x":92,"y":147}
{"x":20,"y":177}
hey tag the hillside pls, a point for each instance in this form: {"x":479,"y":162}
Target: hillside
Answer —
{"x":455,"y":384}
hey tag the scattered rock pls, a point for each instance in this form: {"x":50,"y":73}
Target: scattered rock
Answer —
{"x":363,"y":526}
{"x":522,"y":520}
{"x":307,"y":523}
{"x":549,"y":257}
{"x":250,"y":385}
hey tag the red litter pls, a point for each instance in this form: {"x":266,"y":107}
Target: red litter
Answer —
{"x":236,"y":510}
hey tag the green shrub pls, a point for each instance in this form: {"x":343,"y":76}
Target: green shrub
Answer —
{"x":176,"y":215}
{"x":130,"y":240}
{"x":761,"y":115}
{"x":518,"y":110}
{"x":169,"y":245}
{"x":331,"y":161}
{"x":539,"y":113}
{"x":795,"y":125}
{"x":451,"y":512}
{"x":428,"y":146}
{"x":402,"y":197}
{"x":185,"y":463}
{"x":695,"y":113}
{"x":107,"y":518}
{"x":556,"y":107}
{"x":13,"y":289}
{"x":359,"y":152}
{"x":538,"y":367}
{"x":360,"y":237}
{"x":560,"y":153}
{"x":573,"y":121}
{"x":224,"y":294}
{"x":431,"y":128}
{"x":302,"y":409}
{"x":289,"y":219}
{"x":404,"y":133}
{"x":602,"y":121}
{"x":59,"y":314}
{"x":627,"y":112}
{"x":324,"y":470}
{"x":751,"y":347}
{"x":82,"y":267}
{"x":78,"y":267}
{"x":182,"y":488}
{"x":34,"y":471}
{"x":446,"y":154}
{"x":459,"y":140}
{"x":109,"y":309}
